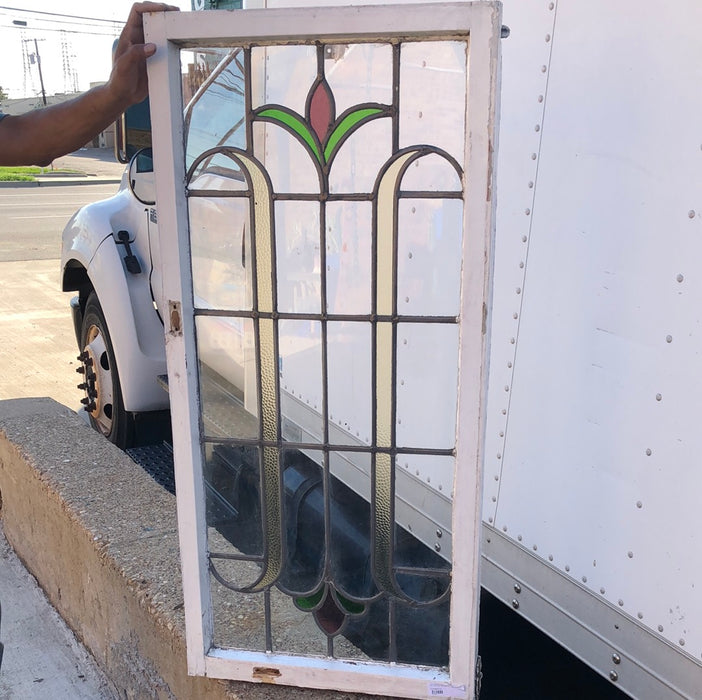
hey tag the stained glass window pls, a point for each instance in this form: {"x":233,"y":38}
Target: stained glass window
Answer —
{"x":326,"y":195}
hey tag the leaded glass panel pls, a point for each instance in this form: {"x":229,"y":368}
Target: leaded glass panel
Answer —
{"x":343,"y":542}
{"x":327,"y":213}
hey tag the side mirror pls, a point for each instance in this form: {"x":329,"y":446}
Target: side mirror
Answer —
{"x":141,"y":176}
{"x":133,"y":131}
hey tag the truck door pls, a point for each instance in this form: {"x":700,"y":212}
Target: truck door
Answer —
{"x":325,"y":268}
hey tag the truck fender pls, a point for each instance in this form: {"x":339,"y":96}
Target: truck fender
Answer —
{"x":135,"y":328}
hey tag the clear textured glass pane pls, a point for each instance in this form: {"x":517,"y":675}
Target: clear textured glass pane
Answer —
{"x":437,"y":69}
{"x":232,"y":478}
{"x":348,"y":242}
{"x":228,"y":387}
{"x":429,"y":257}
{"x":432,"y":173}
{"x":213,"y":100}
{"x":358,"y":74}
{"x":286,"y":74}
{"x":359,"y":158}
{"x":349,"y":367}
{"x":220,"y":249}
{"x":288,"y":162}
{"x":427,"y":400}
{"x":297,"y":256}
{"x":300,"y":366}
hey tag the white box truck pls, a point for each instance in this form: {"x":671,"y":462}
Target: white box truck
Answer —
{"x":590,"y":476}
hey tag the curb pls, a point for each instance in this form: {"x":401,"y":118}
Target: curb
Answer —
{"x":54,"y":181}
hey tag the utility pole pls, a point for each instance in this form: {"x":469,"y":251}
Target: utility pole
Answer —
{"x":38,"y":58}
{"x":41,"y":77}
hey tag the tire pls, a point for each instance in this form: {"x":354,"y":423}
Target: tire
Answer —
{"x":103,"y":393}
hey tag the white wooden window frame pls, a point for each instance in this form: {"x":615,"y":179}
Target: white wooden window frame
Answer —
{"x":174,"y":31}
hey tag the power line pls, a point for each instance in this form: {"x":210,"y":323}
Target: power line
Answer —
{"x":57,"y":14}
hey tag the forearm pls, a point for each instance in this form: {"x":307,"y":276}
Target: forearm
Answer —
{"x":40,"y":136}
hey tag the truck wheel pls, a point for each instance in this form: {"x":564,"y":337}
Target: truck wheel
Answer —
{"x":103,"y":394}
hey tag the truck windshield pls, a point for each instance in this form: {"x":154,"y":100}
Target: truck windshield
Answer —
{"x":213,"y":86}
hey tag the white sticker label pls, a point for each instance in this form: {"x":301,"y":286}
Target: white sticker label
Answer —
{"x":439,"y":690}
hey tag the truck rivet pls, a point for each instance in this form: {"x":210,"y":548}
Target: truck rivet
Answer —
{"x":660,"y":628}
{"x":548,"y":37}
{"x":567,"y":567}
{"x":504,"y":528}
{"x":521,"y":265}
{"x":584,"y":579}
{"x":499,"y":455}
{"x":517,"y":588}
{"x":540,"y":98}
{"x":537,"y":128}
{"x":602,"y":590}
{"x":639,"y":615}
{"x":519,"y":290}
{"x":509,"y":365}
{"x":519,"y":537}
{"x":679,"y":278}
{"x":550,"y":6}
{"x":669,"y":339}
{"x":494,"y":499}
{"x":535,"y":548}
{"x":613,"y":676}
{"x":658,"y":397}
{"x":531,"y":185}
{"x":524,"y":239}
{"x":691,"y":213}
{"x":515,"y":604}
{"x":437,"y":547}
{"x":639,"y":504}
{"x":527,"y":211}
{"x":550,"y":557}
{"x":533,"y":156}
{"x":439,"y":533}
{"x":620,"y":602}
{"x":543,"y":69}
{"x":502,"y":433}
{"x":630,"y":555}
{"x":648,"y":452}
{"x":682,"y":642}
{"x":616,"y":658}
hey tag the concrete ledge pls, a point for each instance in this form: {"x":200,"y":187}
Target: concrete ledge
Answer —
{"x":100,"y":537}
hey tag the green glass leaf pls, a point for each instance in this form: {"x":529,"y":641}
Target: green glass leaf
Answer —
{"x":350,"y":606}
{"x":296,"y":124}
{"x":349,"y":122}
{"x":311,"y":601}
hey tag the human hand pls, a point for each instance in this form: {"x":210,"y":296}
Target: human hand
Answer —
{"x":128,"y":78}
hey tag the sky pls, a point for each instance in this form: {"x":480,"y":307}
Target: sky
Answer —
{"x":73,"y":40}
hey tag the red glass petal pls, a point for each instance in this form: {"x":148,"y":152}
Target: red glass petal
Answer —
{"x":321,"y":109}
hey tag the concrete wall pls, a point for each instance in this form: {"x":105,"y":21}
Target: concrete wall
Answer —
{"x":100,"y":536}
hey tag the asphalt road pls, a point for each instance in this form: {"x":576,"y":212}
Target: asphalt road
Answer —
{"x":32,"y":218}
{"x":37,"y":343}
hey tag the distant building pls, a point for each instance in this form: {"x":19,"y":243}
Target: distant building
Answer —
{"x":106,"y":139}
